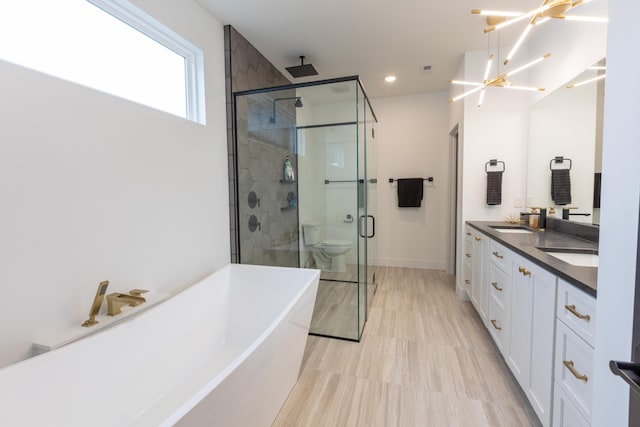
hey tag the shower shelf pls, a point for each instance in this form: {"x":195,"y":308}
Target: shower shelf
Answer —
{"x":288,"y":208}
{"x":287,"y":181}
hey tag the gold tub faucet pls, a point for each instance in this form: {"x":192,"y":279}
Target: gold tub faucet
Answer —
{"x":116,"y":301}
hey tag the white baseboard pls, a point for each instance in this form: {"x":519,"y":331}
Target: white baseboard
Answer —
{"x":410,"y":263}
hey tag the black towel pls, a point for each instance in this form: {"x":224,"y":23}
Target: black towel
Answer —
{"x":597,"y":188}
{"x":561,"y":186}
{"x":410,"y":192}
{"x":494,"y":188}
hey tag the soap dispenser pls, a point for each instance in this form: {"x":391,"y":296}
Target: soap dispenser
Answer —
{"x":288,"y":174}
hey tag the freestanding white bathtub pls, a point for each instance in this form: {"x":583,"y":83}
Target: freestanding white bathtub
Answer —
{"x":224,"y":352}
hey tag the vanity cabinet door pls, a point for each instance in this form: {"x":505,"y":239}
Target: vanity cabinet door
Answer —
{"x":519,"y":354}
{"x":479,"y":289}
{"x":530,"y":357}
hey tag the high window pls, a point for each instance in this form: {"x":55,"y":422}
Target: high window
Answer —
{"x":108,"y":45}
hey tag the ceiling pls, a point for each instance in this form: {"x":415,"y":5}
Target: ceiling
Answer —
{"x":369,"y":38}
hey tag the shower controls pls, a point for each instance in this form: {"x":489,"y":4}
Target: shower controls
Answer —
{"x":253,"y":200}
{"x":253,"y":223}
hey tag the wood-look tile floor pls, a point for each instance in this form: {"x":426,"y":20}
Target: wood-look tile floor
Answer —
{"x":425,"y":359}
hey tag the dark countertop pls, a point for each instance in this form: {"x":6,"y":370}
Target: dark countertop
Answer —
{"x":526,"y":245}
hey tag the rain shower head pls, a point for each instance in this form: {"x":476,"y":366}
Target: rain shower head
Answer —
{"x":302,"y":70}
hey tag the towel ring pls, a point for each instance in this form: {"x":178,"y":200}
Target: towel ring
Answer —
{"x":494,"y":162}
{"x":559,"y":159}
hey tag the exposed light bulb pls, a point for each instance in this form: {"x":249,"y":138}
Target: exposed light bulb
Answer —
{"x":593,"y":79}
{"x":585,"y":18}
{"x":462,"y":82}
{"x":481,"y":98}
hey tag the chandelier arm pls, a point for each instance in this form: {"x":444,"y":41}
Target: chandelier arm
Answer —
{"x":526,"y":15}
{"x":521,"y":39}
{"x":467,"y":93}
{"x":524,"y":67}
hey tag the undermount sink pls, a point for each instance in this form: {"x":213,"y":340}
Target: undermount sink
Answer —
{"x":511,"y":229}
{"x":574,"y":256}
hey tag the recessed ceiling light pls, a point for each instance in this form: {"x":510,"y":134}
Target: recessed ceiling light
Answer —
{"x":390,"y":79}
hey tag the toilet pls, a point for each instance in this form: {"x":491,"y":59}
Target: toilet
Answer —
{"x":329,"y":255}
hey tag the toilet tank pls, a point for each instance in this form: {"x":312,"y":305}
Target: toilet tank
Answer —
{"x":311,"y":233}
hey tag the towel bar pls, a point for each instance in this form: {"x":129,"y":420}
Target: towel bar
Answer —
{"x":430,"y":179}
{"x":361,"y":181}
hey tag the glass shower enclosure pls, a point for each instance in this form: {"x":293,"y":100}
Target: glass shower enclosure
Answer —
{"x":306,"y":192}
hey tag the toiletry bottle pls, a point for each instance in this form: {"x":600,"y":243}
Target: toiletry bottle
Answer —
{"x":552,"y":211}
{"x":288,"y":170}
{"x":533,"y":219}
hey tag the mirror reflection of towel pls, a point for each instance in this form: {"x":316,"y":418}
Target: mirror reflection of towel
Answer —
{"x":410,"y":192}
{"x":494,"y":188}
{"x":561,"y":186}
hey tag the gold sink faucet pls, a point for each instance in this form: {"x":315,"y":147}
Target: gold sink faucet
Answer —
{"x":116,"y":300}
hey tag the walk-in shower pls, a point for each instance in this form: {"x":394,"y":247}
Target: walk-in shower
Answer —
{"x":306,"y":180}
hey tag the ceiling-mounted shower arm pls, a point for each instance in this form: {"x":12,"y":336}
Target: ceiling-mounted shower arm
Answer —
{"x":298,"y":104}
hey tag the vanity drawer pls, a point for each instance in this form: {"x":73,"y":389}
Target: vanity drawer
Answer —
{"x":498,"y":285}
{"x":498,"y":324}
{"x":499,"y":255}
{"x":565,"y":413}
{"x":574,"y":368}
{"x":577,"y":310}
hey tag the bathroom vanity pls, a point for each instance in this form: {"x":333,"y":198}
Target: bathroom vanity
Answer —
{"x":535,"y":292}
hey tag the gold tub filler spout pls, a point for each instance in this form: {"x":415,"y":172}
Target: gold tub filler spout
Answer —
{"x":116,"y":301}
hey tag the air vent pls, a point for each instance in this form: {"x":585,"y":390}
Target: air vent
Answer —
{"x":426,"y":69}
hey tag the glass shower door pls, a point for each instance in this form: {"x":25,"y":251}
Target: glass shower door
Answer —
{"x":371,"y":154}
{"x":328,"y":197}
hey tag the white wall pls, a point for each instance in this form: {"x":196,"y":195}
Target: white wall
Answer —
{"x":98,"y":188}
{"x":619,"y":222}
{"x":412,"y":138}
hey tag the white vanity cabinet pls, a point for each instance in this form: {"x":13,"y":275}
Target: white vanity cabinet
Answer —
{"x":531,"y":334}
{"x":543,"y":326}
{"x":573,"y":374}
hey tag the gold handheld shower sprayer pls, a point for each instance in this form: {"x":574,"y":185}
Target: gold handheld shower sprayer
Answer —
{"x":97,"y":303}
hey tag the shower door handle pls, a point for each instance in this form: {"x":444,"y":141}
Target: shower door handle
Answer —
{"x":373,"y":226}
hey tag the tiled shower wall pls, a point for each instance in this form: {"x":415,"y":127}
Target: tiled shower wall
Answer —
{"x":260,"y":156}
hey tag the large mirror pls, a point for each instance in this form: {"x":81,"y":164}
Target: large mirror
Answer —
{"x":565,"y":138}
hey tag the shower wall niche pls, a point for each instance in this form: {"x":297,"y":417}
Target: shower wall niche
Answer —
{"x":324,"y":218}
